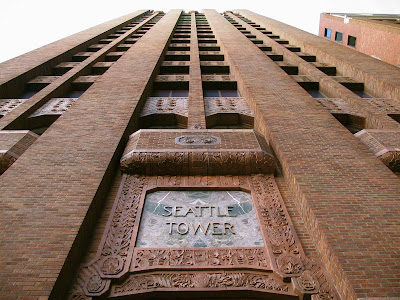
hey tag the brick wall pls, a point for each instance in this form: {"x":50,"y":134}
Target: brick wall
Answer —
{"x":373,"y":37}
{"x":50,"y":196}
{"x":330,"y":173}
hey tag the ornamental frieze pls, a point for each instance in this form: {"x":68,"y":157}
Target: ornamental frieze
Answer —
{"x":203,"y":280}
{"x":186,"y":152}
{"x":144,"y":259}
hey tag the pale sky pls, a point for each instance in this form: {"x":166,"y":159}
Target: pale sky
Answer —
{"x":29,"y":24}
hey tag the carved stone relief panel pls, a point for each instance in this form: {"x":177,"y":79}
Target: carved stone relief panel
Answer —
{"x":165,"y":105}
{"x":338,"y":106}
{"x":56,"y":106}
{"x":215,"y":105}
{"x":7,"y":105}
{"x":219,"y":262}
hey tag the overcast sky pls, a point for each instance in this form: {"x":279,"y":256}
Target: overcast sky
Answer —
{"x":29,"y":24}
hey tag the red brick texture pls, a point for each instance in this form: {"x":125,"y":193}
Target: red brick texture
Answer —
{"x":50,"y":196}
{"x":330,"y":173}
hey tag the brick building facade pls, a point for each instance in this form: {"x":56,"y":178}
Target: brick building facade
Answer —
{"x":377,"y":35}
{"x":187,"y":154}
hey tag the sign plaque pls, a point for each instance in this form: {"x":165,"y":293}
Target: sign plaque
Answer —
{"x":195,"y":219}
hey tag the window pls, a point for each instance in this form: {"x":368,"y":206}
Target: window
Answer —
{"x":316,"y":94}
{"x":338,"y":37}
{"x":221,"y":93}
{"x":328,"y":33}
{"x":170,"y":93}
{"x":363,"y":94}
{"x":351,"y":41}
{"x":74,"y":94}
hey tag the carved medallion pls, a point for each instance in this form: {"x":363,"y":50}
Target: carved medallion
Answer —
{"x":197,"y":140}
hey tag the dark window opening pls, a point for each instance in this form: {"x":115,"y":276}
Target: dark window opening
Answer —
{"x":74,"y":94}
{"x":170,"y":93}
{"x":221,"y":93}
{"x":338,"y":37}
{"x":363,"y":94}
{"x":351,"y":41}
{"x":27,"y":94}
{"x":238,"y":126}
{"x":316,"y":94}
{"x":395,"y":117}
{"x":328,"y":33}
{"x":353,"y":123}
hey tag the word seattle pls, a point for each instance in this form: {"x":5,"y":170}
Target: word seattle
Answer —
{"x":215,"y":228}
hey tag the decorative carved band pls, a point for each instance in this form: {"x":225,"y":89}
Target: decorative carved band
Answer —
{"x":205,"y":258}
{"x":139,"y":283}
{"x":199,"y":152}
{"x":118,"y":242}
{"x":285,"y":246}
{"x":197,"y":163}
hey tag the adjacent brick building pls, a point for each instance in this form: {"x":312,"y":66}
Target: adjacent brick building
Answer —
{"x":377,"y":35}
{"x":188,"y":154}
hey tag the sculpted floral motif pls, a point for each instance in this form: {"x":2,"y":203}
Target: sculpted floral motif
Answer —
{"x":201,"y":280}
{"x":154,"y":162}
{"x":324,"y":295}
{"x":315,"y":281}
{"x":182,"y":281}
{"x":289,"y":264}
{"x":95,"y":284}
{"x":112,"y":265}
{"x":152,"y":258}
{"x":307,"y":281}
{"x":142,"y":282}
{"x":117,"y":243}
{"x":88,"y":283}
{"x":281,"y":237}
